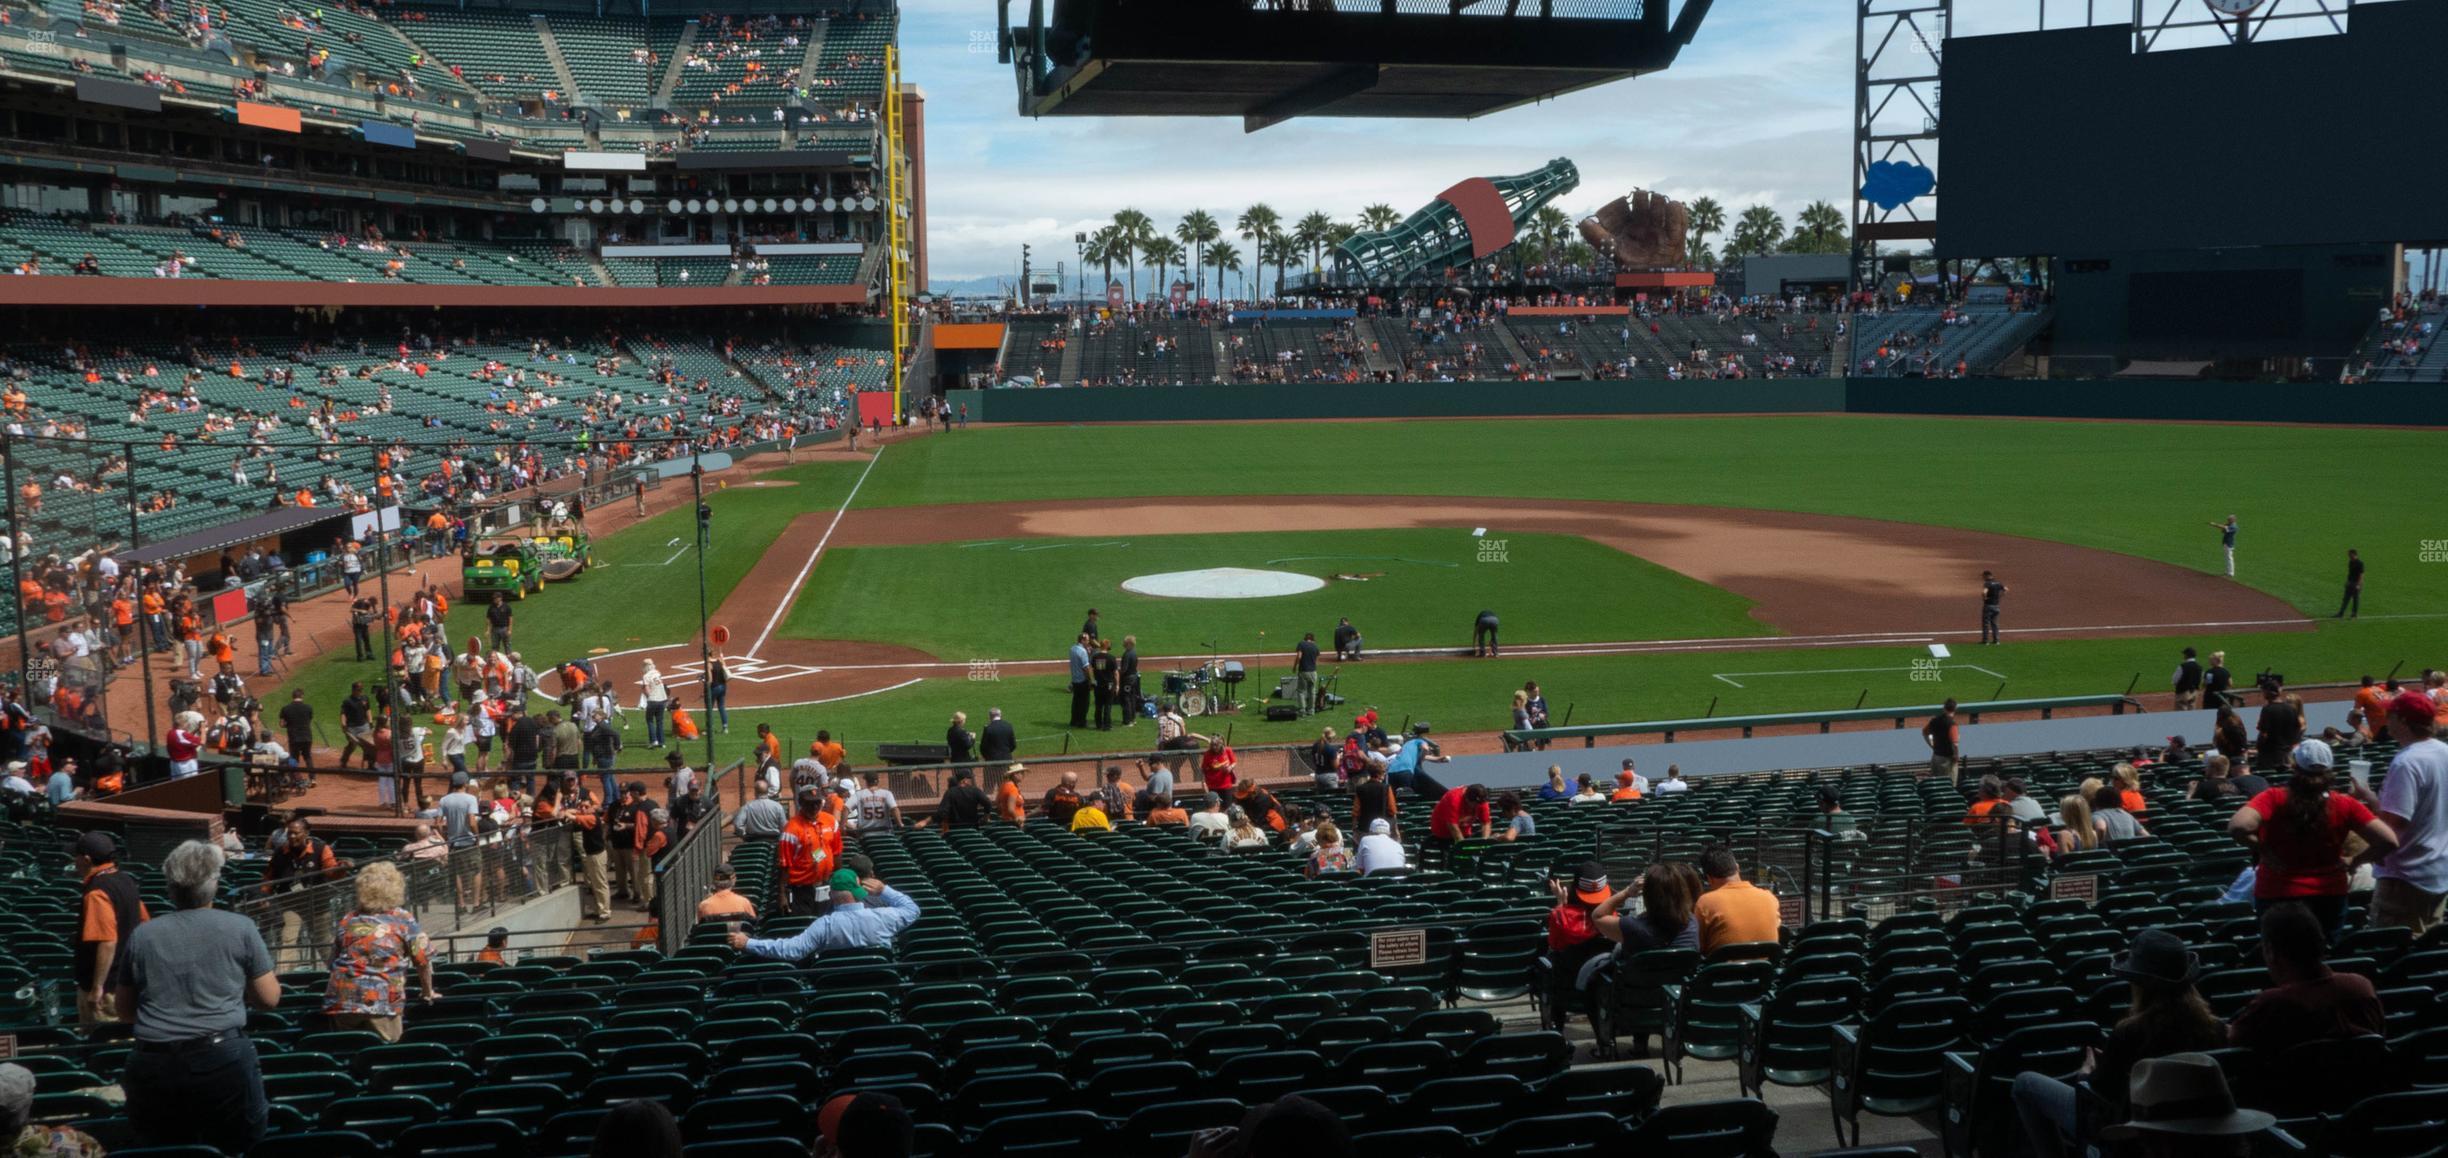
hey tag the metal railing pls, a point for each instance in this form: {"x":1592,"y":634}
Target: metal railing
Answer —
{"x":1265,"y":763}
{"x":447,"y":889}
{"x":686,"y":872}
{"x":1940,"y":863}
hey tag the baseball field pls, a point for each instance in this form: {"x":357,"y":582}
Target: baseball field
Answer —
{"x":1643,"y":568}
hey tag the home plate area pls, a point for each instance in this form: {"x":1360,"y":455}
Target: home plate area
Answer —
{"x":746,"y":669}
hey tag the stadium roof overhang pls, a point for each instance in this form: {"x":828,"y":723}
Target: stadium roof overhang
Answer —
{"x":69,"y":290}
{"x":1267,"y":64}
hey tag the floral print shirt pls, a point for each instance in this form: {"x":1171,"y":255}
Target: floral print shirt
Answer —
{"x":371,"y":959}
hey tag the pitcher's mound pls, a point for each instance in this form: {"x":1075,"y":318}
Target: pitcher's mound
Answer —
{"x":1222,"y":583}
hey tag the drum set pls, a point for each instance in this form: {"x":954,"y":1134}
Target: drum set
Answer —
{"x":1205,"y":690}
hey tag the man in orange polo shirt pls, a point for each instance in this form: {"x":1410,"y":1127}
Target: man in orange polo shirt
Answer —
{"x":803,"y":853}
{"x":1733,"y":911}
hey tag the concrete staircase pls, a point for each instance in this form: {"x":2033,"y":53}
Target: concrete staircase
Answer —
{"x":807,"y":60}
{"x":1380,"y":357}
{"x":671,"y":68}
{"x":1070,"y":371}
{"x":552,"y":52}
{"x":1505,"y":341}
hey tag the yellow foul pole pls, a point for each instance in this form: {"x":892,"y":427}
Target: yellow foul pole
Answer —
{"x":896,"y":221}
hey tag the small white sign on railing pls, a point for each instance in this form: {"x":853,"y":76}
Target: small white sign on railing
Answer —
{"x":1398,"y":948}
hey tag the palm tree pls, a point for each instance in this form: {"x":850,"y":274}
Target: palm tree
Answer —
{"x":1705,"y":217}
{"x":1226,"y":258}
{"x":1379,"y":216}
{"x":1819,"y":228}
{"x":1163,"y":253}
{"x":1701,"y":257}
{"x":1757,"y":231}
{"x":1197,"y":230}
{"x":1256,"y":224}
{"x":1311,"y":233}
{"x":1104,"y":250}
{"x":1550,"y":227}
{"x":1133,"y":229}
{"x":1283,"y":249}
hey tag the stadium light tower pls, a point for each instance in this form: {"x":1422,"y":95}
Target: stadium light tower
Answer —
{"x":1897,"y":45}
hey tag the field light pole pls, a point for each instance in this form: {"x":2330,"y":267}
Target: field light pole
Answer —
{"x":19,"y":517}
{"x":144,"y":649}
{"x":705,"y":645}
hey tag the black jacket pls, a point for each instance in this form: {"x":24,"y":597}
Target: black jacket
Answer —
{"x":999,"y":741}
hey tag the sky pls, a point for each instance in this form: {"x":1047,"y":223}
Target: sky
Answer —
{"x":1757,"y":110}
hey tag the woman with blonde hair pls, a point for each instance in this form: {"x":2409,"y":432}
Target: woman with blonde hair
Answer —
{"x":2076,"y":830}
{"x":1332,"y":855}
{"x":2128,"y":781}
{"x":378,"y":942}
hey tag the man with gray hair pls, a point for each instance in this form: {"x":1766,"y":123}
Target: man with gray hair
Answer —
{"x":763,"y":817}
{"x":193,"y":1077}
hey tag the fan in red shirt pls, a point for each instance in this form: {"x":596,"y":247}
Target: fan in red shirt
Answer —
{"x":1216,"y":768}
{"x":1459,"y":814}
{"x":2301,"y":833}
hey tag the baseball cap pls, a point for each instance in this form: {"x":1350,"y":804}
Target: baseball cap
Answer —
{"x":809,"y":795}
{"x":2312,"y":754}
{"x":2413,"y":708}
{"x":96,"y":846}
{"x":864,"y":1124}
{"x":637,"y":786}
{"x":845,"y":881}
{"x":459,"y":779}
{"x":723,"y":872}
{"x":1590,"y":883}
{"x":1379,"y":827}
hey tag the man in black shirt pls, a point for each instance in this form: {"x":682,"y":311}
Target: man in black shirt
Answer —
{"x":1346,"y":641}
{"x":357,"y":725}
{"x":1105,"y":673}
{"x":1483,"y":634}
{"x":1991,"y":592}
{"x":962,"y":806}
{"x":1129,"y":680}
{"x":297,"y":725}
{"x":2354,"y":586}
{"x":999,"y":742}
{"x":2188,"y":684}
{"x":497,"y":617}
{"x":2280,"y":728}
{"x":2217,"y":681}
{"x":1304,"y":672}
{"x":963,"y":745}
{"x":524,"y":738}
{"x":1062,"y":801}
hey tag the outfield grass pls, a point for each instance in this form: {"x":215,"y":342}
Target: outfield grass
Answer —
{"x":2303,"y":494}
{"x":1013,"y":598}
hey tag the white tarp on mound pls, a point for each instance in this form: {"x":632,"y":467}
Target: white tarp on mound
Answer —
{"x":1222,"y":583}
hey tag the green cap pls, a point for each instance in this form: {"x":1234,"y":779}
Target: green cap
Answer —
{"x":845,"y":881}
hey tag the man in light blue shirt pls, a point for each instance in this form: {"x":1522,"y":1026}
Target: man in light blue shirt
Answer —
{"x":62,"y":786}
{"x":1080,"y":685}
{"x":866,"y":914}
{"x":1407,"y":770}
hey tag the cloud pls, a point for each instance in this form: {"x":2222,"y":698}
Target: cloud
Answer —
{"x":1757,"y":111}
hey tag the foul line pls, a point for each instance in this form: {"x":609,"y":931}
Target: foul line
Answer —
{"x":675,"y":556}
{"x":1727,"y":677}
{"x":790,"y":595}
